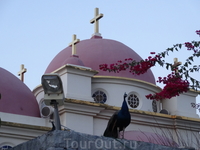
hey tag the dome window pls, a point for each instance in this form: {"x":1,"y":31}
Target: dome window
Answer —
{"x":154,"y":106}
{"x":133,"y":100}
{"x":5,"y":147}
{"x":99,"y":97}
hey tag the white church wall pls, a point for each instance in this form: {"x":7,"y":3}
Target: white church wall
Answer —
{"x":99,"y":126}
{"x":151,"y":126}
{"x":139,"y":122}
{"x":116,"y":87}
{"x":21,"y":133}
{"x":78,"y":122}
{"x":181,"y":105}
{"x":25,"y":119}
{"x":76,"y":81}
{"x":79,"y":84}
{"x":38,"y":93}
{"x":14,"y":142}
{"x":77,"y":87}
{"x":79,"y":117}
{"x":13,"y":138}
{"x":179,"y":130}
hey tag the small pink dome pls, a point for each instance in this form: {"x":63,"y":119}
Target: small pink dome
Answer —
{"x":16,"y":97}
{"x":96,"y":51}
{"x":74,"y":59}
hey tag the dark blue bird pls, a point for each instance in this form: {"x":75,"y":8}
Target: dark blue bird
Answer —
{"x":119,"y":121}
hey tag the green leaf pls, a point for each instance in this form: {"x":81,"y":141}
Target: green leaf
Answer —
{"x":167,"y":66}
{"x":195,"y":66}
{"x":163,"y":55}
{"x":190,"y":58}
{"x":197,"y":83}
{"x":197,"y":54}
{"x":196,"y":44}
{"x":186,"y":64}
{"x":170,"y":49}
{"x":192,"y":80}
{"x":180,"y":45}
{"x":171,"y":66}
{"x":185,"y":76}
{"x":160,"y":63}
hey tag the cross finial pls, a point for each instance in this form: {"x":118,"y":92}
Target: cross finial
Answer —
{"x":176,"y":64}
{"x":73,"y":44}
{"x":97,"y":16}
{"x":21,"y":73}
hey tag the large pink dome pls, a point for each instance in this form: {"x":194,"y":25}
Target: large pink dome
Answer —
{"x":95,"y":51}
{"x":16,"y":97}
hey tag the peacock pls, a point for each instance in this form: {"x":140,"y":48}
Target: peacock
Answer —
{"x":119,"y":121}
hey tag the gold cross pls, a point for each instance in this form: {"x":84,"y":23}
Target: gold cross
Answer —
{"x":73,"y":44}
{"x":21,"y":73}
{"x":97,"y":16}
{"x":176,"y":64}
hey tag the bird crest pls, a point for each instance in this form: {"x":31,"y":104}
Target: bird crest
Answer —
{"x":125,"y":95}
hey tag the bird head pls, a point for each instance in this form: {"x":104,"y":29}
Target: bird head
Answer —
{"x":125,"y":95}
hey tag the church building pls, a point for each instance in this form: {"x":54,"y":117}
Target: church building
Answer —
{"x":91,"y":96}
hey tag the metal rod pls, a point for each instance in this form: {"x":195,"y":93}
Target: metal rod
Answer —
{"x":56,"y":114}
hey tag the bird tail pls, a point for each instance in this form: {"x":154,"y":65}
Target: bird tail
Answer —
{"x":109,"y":133}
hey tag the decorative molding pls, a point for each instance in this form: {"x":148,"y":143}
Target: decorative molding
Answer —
{"x":133,"y":111}
{"x":127,"y":81}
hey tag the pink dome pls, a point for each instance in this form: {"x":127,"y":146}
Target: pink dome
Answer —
{"x":16,"y":97}
{"x":96,"y":51}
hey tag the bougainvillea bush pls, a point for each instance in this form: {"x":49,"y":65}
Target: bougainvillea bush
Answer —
{"x":179,"y":81}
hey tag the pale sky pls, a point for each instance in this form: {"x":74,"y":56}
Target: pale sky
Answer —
{"x":33,"y":32}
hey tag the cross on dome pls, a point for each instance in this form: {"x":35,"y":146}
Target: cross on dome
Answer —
{"x":21,"y":73}
{"x":97,"y":16}
{"x":73,"y":44}
{"x":176,"y":64}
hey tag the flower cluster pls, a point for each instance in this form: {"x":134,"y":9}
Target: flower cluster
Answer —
{"x":134,"y":67}
{"x":114,"y":67}
{"x":198,"y":32}
{"x":144,"y":65}
{"x":174,"y":86}
{"x":189,"y":46}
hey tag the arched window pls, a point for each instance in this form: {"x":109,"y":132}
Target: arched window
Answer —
{"x":133,"y":100}
{"x":5,"y":147}
{"x":99,"y":97}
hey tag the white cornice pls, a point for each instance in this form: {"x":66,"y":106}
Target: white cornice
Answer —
{"x":75,"y":69}
{"x":80,"y":109}
{"x":126,"y":81}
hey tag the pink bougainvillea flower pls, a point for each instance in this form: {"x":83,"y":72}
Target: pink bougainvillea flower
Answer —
{"x":152,"y":53}
{"x":198,"y":32}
